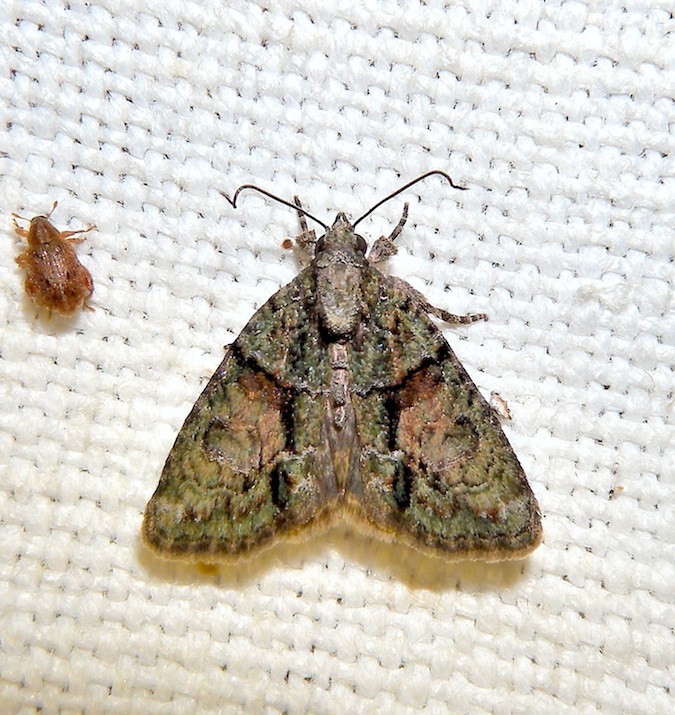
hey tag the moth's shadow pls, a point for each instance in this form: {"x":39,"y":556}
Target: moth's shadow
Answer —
{"x":418,"y":571}
{"x":389,"y":560}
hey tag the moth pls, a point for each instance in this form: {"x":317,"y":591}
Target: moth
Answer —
{"x":55,"y":278}
{"x":342,"y":399}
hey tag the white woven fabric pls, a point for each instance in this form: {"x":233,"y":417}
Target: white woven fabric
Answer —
{"x":558,"y":116}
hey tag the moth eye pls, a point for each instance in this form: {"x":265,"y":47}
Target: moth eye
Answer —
{"x":319,"y":245}
{"x":361,"y":244}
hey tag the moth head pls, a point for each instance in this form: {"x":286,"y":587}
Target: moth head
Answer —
{"x":341,"y":233}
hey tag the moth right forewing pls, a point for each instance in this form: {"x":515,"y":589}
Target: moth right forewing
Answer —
{"x":448,"y":482}
{"x":436,"y":470}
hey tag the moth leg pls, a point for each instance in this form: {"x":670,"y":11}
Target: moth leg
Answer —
{"x":423,"y":304}
{"x":306,"y":239}
{"x":384,"y":247}
{"x":301,"y":216}
{"x":399,"y":226}
{"x":500,"y":406}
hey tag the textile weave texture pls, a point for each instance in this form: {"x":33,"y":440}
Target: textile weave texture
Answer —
{"x":558,"y":117}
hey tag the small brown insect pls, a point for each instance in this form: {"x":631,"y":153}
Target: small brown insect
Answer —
{"x":55,"y":278}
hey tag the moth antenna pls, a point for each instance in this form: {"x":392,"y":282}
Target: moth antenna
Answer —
{"x":407,"y":186}
{"x":233,"y":201}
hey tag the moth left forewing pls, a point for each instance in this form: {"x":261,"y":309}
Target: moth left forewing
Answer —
{"x":249,"y":465}
{"x":436,"y":471}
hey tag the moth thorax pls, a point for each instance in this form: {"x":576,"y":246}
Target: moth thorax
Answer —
{"x":339,"y":298}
